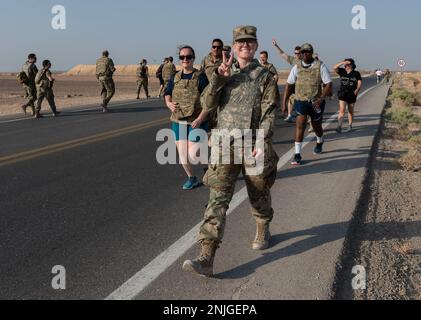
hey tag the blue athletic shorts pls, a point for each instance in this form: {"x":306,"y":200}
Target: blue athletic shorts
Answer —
{"x":305,"y":108}
{"x":186,"y":132}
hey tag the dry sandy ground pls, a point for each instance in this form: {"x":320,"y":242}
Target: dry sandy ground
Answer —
{"x":75,"y":91}
{"x":386,"y":236}
{"x":70,"y":91}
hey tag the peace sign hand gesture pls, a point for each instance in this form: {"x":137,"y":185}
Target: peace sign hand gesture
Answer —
{"x":225,"y":68}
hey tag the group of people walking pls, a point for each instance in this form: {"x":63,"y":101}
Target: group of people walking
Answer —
{"x":228,"y":93}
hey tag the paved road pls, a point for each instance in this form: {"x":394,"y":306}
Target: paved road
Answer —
{"x":85,"y":191}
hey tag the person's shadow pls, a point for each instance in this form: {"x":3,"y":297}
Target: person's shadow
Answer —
{"x":319,"y":236}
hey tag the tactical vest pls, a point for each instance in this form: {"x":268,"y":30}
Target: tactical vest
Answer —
{"x":209,"y":67}
{"x":241,"y":97}
{"x":309,"y":82}
{"x":186,"y":94}
{"x":167,"y":71}
{"x":42,"y":81}
{"x":141,"y":72}
{"x":30,"y":71}
{"x":103,"y":67}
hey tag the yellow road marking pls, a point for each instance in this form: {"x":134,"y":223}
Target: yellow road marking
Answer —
{"x":39,"y":152}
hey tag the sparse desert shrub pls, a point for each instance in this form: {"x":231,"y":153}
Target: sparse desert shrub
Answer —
{"x":404,"y":117}
{"x":411,"y":161}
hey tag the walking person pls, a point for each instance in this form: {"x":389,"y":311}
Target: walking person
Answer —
{"x":27,"y":79}
{"x":104,"y":73}
{"x":142,"y":74}
{"x":245,"y":96}
{"x":182,"y":97}
{"x":45,"y":82}
{"x":351,"y":83}
{"x":158,"y":74}
{"x":307,"y":79}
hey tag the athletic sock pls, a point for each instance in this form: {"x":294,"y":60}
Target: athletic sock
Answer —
{"x":298,"y":146}
{"x":320,"y":139}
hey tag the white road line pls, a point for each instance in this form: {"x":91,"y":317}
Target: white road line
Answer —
{"x":136,"y":284}
{"x":93,"y":108}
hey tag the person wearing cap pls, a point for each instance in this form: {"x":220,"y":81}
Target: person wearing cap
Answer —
{"x":351,"y":83}
{"x":142,"y":74}
{"x":245,"y":96}
{"x":30,"y":70}
{"x":308,"y":78}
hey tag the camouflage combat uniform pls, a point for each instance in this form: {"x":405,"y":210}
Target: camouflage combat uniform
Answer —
{"x":168,"y":71}
{"x":245,"y":100}
{"x":209,"y":66}
{"x":142,"y":80}
{"x":104,"y":73}
{"x":45,"y":90}
{"x":31,"y":71}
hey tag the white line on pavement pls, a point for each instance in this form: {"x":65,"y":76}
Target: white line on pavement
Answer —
{"x":136,"y":284}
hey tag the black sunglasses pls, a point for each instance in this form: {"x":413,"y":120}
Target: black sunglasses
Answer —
{"x":188,"y":58}
{"x":216,"y":47}
{"x":306,"y":51}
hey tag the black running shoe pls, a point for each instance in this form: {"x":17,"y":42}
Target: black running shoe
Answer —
{"x":319,"y":148}
{"x":297,"y":160}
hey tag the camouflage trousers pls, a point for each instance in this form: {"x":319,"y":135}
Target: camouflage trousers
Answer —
{"x":221,"y":180}
{"x":49,"y":95}
{"x":142,"y":83}
{"x":107,"y":90}
{"x":30,"y":95}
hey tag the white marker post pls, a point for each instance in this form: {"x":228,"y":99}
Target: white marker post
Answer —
{"x":401,"y":64}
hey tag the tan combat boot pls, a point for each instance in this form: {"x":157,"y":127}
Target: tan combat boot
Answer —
{"x":203,"y":265}
{"x":261,"y":241}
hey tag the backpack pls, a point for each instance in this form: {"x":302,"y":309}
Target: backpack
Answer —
{"x":159,"y":71}
{"x":22,"y":78}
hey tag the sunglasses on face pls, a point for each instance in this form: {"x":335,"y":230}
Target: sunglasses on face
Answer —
{"x":188,"y":58}
{"x":297,"y":53}
{"x":306,"y":52}
{"x":217,"y":47}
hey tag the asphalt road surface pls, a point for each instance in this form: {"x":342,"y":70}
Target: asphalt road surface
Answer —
{"x":84,"y":191}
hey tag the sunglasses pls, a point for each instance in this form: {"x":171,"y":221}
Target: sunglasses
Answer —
{"x":305,"y":51}
{"x":188,"y":58}
{"x":217,"y":47}
{"x":297,"y":53}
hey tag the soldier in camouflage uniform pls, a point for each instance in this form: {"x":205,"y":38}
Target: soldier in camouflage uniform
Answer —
{"x":264,"y":55}
{"x":44,"y":82}
{"x":30,"y":70}
{"x":142,"y":74}
{"x":104,"y":73}
{"x":168,"y":71}
{"x":245,"y":96}
{"x":209,"y":64}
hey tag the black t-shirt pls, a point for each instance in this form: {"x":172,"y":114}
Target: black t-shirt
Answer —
{"x":349,"y":81}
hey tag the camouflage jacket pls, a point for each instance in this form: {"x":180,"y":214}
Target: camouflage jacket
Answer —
{"x":168,"y":71}
{"x":142,"y":72}
{"x":31,"y":71}
{"x":245,"y":100}
{"x":270,"y":67}
{"x":42,"y":80}
{"x":208,"y":66}
{"x":105,"y":67}
{"x":293,"y":60}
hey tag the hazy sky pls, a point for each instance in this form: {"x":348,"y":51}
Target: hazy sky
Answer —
{"x":153,"y":29}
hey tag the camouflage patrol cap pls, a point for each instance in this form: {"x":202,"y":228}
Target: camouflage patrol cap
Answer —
{"x":245,"y":32}
{"x":307,"y":47}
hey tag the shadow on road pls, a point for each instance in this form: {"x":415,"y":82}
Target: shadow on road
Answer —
{"x":316,"y":237}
